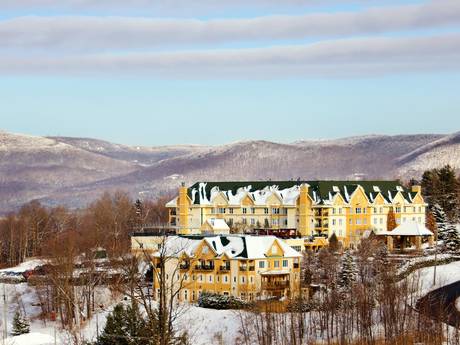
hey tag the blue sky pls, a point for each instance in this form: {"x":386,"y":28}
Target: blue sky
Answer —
{"x":152,"y":75}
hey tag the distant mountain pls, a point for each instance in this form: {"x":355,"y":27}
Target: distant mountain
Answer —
{"x":74,"y":171}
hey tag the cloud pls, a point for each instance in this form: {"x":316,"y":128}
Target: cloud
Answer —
{"x":340,"y":58}
{"x":108,"y":33}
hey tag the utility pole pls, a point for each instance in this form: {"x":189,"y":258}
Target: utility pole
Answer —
{"x":5,"y":316}
{"x":435,"y":256}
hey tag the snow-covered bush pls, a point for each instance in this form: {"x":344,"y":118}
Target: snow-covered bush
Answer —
{"x":217,"y":301}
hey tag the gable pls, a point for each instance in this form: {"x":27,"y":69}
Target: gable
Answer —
{"x":359,"y":197}
{"x":275,"y":250}
{"x":338,"y":200}
{"x":273,"y":199}
{"x":379,"y":199}
{"x":220,"y":199}
{"x":204,"y":251}
{"x":418,"y":199}
{"x":247,"y":201}
{"x":398,"y":199}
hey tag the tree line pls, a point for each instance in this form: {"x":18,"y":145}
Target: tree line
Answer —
{"x":107,"y":222}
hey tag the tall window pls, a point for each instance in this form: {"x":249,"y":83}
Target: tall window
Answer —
{"x":245,"y":210}
{"x":358,"y":210}
{"x":266,"y":210}
{"x":275,"y":210}
{"x":253,"y":210}
{"x":221,"y":209}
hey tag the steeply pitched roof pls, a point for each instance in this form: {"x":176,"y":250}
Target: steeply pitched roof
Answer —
{"x":234,"y":246}
{"x":320,"y":191}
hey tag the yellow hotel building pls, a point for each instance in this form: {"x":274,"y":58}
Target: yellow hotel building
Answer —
{"x":243,"y":266}
{"x":299,"y":210}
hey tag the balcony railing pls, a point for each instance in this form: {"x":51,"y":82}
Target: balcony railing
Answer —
{"x":204,"y":267}
{"x":184,"y":266}
{"x":275,"y":285}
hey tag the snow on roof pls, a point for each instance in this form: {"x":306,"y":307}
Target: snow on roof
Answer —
{"x":409,"y":228}
{"x":272,"y":273}
{"x":172,"y":203}
{"x":234,"y":246}
{"x":217,"y":224}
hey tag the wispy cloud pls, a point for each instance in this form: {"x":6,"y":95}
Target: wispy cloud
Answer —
{"x":340,"y":58}
{"x":108,"y":33}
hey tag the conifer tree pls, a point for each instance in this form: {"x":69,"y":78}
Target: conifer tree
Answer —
{"x":334,"y":243}
{"x":441,"y":221}
{"x":347,"y":274}
{"x":452,"y":238}
{"x":391,"y":220}
{"x":114,"y":330}
{"x":20,"y":324}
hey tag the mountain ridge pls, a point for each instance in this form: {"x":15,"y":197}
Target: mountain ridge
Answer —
{"x":74,"y":171}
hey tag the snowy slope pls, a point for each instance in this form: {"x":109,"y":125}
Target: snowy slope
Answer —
{"x":74,"y":171}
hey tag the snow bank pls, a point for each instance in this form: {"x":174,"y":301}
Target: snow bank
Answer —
{"x":25,"y":266}
{"x":33,"y":338}
{"x":445,"y":275}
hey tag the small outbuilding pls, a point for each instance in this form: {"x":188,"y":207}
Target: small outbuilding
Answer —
{"x":407,"y":234}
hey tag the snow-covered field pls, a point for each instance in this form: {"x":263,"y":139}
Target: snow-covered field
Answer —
{"x":445,"y":274}
{"x":203,"y":326}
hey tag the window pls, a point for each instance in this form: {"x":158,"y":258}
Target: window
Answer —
{"x":381,"y":220}
{"x":351,"y":221}
{"x":185,"y":295}
{"x":358,"y":221}
{"x":340,"y":221}
{"x":261,"y":264}
{"x":420,"y":220}
{"x":365,"y":221}
{"x":200,"y":278}
{"x":285,"y":263}
{"x":225,"y":278}
{"x":358,"y":210}
{"x":340,"y":210}
{"x":253,"y":221}
{"x":234,"y":279}
{"x":285,"y":211}
{"x":243,"y":280}
{"x":333,"y":210}
{"x":398,"y":209}
{"x":276,"y":264}
{"x":275,"y":210}
{"x":375,"y":220}
{"x":244,"y":221}
{"x":251,"y":279}
{"x":213,"y":210}
{"x":221,"y":209}
{"x":245,"y":210}
{"x":253,"y":210}
{"x":274,"y":221}
{"x":285,"y":222}
{"x":419,"y":210}
{"x":381,"y":209}
{"x":230,"y":222}
{"x":333,"y":222}
{"x":375,"y":209}
{"x":230,"y":210}
{"x":266,"y":210}
{"x":210,"y":278}
{"x":364,"y":210}
{"x":193,"y":295}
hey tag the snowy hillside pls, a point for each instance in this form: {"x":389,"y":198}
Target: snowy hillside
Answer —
{"x":74,"y":171}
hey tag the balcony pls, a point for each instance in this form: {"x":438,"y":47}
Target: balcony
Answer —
{"x":204,"y":267}
{"x":225,"y":268}
{"x":296,"y":265}
{"x":184,"y":266}
{"x":275,"y":285}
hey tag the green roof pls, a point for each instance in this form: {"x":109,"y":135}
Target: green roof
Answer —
{"x":319,"y":190}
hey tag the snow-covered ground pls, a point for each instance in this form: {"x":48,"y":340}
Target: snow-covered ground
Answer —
{"x":203,"y":326}
{"x":445,"y":274}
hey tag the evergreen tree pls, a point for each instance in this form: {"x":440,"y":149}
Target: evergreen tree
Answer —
{"x":441,"y":221}
{"x":347,"y":274}
{"x":391,"y":220}
{"x":430,"y":186}
{"x":114,"y":332}
{"x":126,"y":326}
{"x":452,"y":238}
{"x":334,"y":244}
{"x":20,"y":324}
{"x":449,"y":189}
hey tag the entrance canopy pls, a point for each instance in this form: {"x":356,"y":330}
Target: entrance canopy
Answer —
{"x":408,"y":229}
